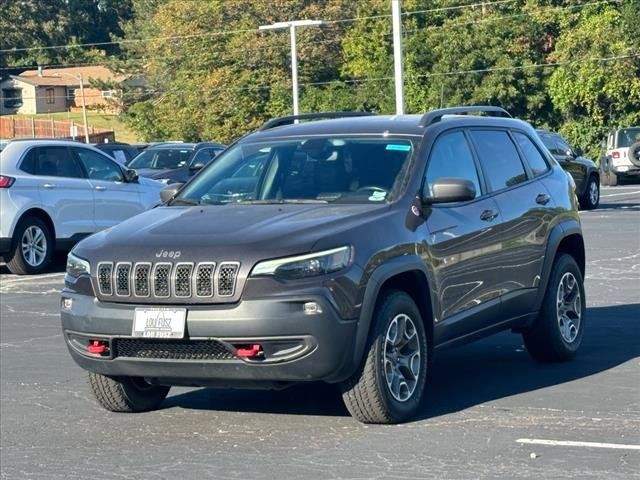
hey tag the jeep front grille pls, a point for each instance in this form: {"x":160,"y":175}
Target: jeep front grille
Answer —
{"x":172,"y":349}
{"x":167,"y":280}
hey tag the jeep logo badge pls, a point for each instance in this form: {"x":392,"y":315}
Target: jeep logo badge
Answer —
{"x":168,"y":253}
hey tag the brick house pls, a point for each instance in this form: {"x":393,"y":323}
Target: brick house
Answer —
{"x":57,"y":90}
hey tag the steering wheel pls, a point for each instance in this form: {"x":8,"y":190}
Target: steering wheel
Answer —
{"x":375,"y":188}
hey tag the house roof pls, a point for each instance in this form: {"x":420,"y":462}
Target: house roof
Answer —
{"x":67,"y":77}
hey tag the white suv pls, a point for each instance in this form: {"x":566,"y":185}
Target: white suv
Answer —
{"x":622,"y":158}
{"x":53,"y":193}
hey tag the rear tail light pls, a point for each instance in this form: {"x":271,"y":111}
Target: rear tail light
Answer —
{"x":5,"y":181}
{"x":615,"y":154}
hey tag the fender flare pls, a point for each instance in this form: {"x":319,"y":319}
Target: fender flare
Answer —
{"x":381,"y":274}
{"x":558,"y":233}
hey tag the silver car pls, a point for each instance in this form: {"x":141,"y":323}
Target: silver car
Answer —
{"x":53,"y":193}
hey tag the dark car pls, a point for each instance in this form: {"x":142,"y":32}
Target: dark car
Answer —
{"x":584,"y":171}
{"x":122,"y":153}
{"x":174,"y":162}
{"x":346,"y":250}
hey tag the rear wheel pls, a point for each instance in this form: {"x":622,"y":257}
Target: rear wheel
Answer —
{"x":557,"y":333}
{"x":613,"y":179}
{"x":591,"y":197}
{"x":126,"y":394}
{"x":31,"y":247}
{"x":388,"y":386}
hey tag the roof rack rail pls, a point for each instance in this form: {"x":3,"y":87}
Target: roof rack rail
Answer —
{"x":435,"y":116}
{"x":277,"y":122}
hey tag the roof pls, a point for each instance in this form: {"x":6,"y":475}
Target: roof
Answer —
{"x":381,"y":125}
{"x":68,"y":77}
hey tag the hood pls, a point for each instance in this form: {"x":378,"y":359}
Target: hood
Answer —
{"x":233,"y":232}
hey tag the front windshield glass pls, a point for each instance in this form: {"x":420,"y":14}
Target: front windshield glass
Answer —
{"x":318,"y":169}
{"x":161,"y":158}
{"x":628,"y":137}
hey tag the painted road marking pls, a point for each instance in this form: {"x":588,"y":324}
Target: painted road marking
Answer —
{"x":567,"y":443}
{"x":619,"y":194}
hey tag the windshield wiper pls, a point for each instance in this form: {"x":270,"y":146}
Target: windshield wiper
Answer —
{"x":184,"y":201}
{"x":281,"y":202}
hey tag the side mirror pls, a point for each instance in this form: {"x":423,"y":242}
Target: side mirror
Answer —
{"x":130,"y":175}
{"x":449,"y":189}
{"x":170,"y":191}
{"x":197,"y":166}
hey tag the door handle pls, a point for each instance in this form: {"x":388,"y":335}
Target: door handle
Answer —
{"x":49,"y":185}
{"x":488,"y":215}
{"x":543,"y":199}
{"x":100,"y":188}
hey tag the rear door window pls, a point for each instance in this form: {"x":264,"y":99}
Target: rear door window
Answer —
{"x":56,"y":161}
{"x":499,"y":158}
{"x":452,"y":157}
{"x":534,"y":158}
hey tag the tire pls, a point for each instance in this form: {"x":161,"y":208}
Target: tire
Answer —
{"x":613,"y":179}
{"x":126,"y":394}
{"x":634,"y":154}
{"x":25,"y":260}
{"x":367,"y":394}
{"x":545,"y":340}
{"x":591,"y":197}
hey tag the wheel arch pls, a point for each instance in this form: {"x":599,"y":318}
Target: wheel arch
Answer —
{"x":42,"y":215}
{"x":407,"y":273}
{"x":565,"y":237}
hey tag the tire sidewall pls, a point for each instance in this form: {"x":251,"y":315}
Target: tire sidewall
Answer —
{"x":22,"y":226}
{"x":589,"y":205}
{"x":398,"y":303}
{"x":564,"y":264}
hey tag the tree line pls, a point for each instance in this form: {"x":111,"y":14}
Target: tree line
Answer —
{"x":568,"y":65}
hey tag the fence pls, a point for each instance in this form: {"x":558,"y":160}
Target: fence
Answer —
{"x":17,"y":127}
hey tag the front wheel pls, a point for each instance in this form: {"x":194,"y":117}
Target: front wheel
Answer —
{"x":126,"y":394}
{"x":591,"y":197}
{"x":557,"y":333}
{"x":388,"y":386}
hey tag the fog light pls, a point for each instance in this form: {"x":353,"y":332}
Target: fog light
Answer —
{"x":311,"y":308}
{"x":67,"y":303}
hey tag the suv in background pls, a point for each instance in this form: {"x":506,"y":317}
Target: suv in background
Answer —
{"x":53,"y":193}
{"x":122,"y":153}
{"x":583,"y":170}
{"x":344,"y":250}
{"x":622,"y":157}
{"x":174,"y":162}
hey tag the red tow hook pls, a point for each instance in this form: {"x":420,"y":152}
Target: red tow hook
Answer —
{"x":251,"y":352}
{"x":97,"y":347}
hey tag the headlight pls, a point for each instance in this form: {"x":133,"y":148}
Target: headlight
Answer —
{"x":77,"y":266}
{"x":305,"y":266}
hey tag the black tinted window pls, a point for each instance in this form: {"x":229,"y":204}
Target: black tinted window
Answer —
{"x":451,"y":157}
{"x":56,"y":162}
{"x":531,"y":153}
{"x":29,"y":162}
{"x":499,"y":158}
{"x":550,"y":143}
{"x":97,"y":166}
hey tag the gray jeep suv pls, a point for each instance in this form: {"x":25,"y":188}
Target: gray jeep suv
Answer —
{"x":345,"y":250}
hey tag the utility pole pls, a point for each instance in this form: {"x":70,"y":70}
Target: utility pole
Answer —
{"x":294,"y":56}
{"x":397,"y":55}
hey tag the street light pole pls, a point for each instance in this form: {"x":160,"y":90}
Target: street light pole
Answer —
{"x":294,"y":56}
{"x":397,"y":56}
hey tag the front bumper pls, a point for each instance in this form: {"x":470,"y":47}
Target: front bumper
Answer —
{"x":305,"y":347}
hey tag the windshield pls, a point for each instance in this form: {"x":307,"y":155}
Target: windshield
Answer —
{"x":319,"y":169}
{"x":161,"y":158}
{"x":628,"y":136}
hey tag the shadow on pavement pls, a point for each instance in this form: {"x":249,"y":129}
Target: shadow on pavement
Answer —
{"x":493,"y":368}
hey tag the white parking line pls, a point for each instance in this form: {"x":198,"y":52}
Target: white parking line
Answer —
{"x":619,"y":194}
{"x":567,"y":443}
{"x":36,"y":278}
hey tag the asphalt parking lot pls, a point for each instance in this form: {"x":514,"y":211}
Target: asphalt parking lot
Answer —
{"x":490,"y":412}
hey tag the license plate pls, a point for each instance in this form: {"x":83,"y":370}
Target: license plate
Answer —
{"x":159,"y":322}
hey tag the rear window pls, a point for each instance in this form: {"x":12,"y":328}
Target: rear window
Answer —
{"x":499,"y":158}
{"x":534,"y":158}
{"x":628,"y":136}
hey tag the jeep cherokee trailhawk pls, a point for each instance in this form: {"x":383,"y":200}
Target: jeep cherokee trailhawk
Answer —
{"x":344,"y":250}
